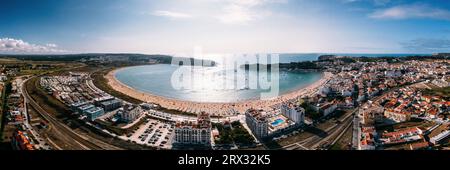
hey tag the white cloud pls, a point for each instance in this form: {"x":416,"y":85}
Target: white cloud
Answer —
{"x":171,"y":14}
{"x":9,"y":45}
{"x":52,"y":45}
{"x":415,"y":11}
{"x":225,"y":11}
{"x":245,"y":11}
{"x":237,"y":14}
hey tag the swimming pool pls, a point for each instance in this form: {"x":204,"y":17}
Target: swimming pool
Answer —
{"x":277,"y":122}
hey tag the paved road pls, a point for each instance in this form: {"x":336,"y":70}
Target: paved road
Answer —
{"x":42,"y":144}
{"x":70,"y":138}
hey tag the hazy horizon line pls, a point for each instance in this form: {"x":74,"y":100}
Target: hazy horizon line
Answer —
{"x":137,"y":53}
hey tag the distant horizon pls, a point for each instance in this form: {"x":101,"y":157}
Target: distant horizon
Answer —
{"x":133,"y":53}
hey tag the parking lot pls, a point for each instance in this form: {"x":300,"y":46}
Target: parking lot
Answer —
{"x":154,"y":133}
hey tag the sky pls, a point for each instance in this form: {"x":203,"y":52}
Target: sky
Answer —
{"x":224,"y":26}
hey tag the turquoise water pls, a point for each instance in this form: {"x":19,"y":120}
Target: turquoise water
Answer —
{"x":156,"y":79}
{"x":277,"y":122}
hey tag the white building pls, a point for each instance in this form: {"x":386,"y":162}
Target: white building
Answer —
{"x":397,"y":116}
{"x":441,"y":83}
{"x":194,"y":133}
{"x":436,"y":139}
{"x":257,"y":121}
{"x":98,"y":100}
{"x":3,"y":78}
{"x":393,"y":73}
{"x":130,"y":113}
{"x":294,"y":112}
{"x":326,"y":108}
{"x":402,"y":136}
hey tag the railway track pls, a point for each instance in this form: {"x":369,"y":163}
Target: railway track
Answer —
{"x":72,"y":140}
{"x":315,"y":141}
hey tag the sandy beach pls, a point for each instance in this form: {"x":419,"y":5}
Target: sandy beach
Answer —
{"x":217,"y":109}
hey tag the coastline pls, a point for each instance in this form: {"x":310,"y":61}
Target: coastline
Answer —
{"x":215,"y":109}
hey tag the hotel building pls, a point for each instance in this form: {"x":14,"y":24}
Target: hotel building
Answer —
{"x":130,"y":113}
{"x":293,"y":112}
{"x":194,"y":133}
{"x":257,"y":122}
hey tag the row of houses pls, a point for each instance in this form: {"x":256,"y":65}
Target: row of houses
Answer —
{"x":409,"y":102}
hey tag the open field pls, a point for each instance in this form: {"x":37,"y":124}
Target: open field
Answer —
{"x":234,"y":134}
{"x":295,"y":138}
{"x":413,"y":123}
{"x":9,"y":60}
{"x":444,"y":92}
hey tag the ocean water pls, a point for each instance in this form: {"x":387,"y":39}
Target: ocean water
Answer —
{"x":298,"y":57}
{"x":288,"y":58}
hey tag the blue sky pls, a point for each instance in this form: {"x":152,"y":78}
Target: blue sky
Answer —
{"x":224,"y":26}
